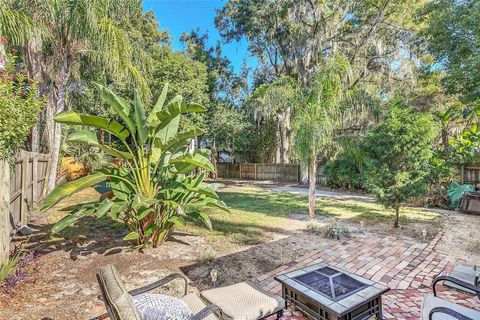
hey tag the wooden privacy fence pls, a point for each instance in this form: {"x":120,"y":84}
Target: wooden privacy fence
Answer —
{"x":259,"y":171}
{"x":470,"y":174}
{"x":20,"y":187}
{"x":28,"y":181}
{"x":263,"y":171}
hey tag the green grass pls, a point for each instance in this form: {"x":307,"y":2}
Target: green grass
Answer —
{"x":256,"y":215}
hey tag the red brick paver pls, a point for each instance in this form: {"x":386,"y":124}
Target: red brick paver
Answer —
{"x":406,"y":266}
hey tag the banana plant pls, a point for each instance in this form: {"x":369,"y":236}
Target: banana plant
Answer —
{"x":155,"y":189}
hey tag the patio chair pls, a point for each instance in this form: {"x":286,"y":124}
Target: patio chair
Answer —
{"x":243,"y":300}
{"x":466,"y":273}
{"x":434,"y":308}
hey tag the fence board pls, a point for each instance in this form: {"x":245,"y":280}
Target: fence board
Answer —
{"x":470,"y":174}
{"x":5,"y":226}
{"x":263,"y":171}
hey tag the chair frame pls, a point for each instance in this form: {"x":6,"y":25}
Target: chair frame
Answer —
{"x":446,"y":310}
{"x":459,"y":282}
{"x":208,"y":310}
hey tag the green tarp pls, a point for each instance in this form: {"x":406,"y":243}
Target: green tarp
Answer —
{"x":456,"y":191}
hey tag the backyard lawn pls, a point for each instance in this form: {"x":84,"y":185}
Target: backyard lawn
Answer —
{"x":258,"y":214}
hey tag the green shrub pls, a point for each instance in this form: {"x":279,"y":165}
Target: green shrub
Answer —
{"x":346,"y":171}
{"x":313,"y":226}
{"x":336,"y":230}
{"x":19,"y":110}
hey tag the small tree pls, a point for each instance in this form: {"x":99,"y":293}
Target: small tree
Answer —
{"x":398,"y":154}
{"x":317,"y":118}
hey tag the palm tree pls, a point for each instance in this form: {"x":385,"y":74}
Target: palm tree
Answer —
{"x":318,"y":115}
{"x":55,"y":34}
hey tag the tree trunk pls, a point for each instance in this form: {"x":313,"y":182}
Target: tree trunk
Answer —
{"x":278,"y":142}
{"x":312,"y":184}
{"x":397,"y":216}
{"x":303,"y":173}
{"x":55,"y":106}
{"x":35,"y":141}
{"x":285,"y":135}
{"x":34,"y":61}
{"x":214,"y":159}
{"x":444,"y":134}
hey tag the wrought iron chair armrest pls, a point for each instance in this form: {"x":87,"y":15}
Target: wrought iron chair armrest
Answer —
{"x":160,"y":283}
{"x":449,"y":312}
{"x":210,"y":309}
{"x":456,"y":281}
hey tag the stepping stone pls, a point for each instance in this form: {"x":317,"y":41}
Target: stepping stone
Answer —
{"x":464,"y":273}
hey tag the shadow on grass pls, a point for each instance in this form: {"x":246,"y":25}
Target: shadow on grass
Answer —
{"x":284,"y":204}
{"x":245,"y":233}
{"x":368,"y":213}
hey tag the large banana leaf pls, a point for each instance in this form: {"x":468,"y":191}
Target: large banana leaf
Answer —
{"x":152,"y":118}
{"x":140,"y":121}
{"x":70,"y":219}
{"x":169,"y":130}
{"x":175,"y":108}
{"x":114,"y":152}
{"x":84,"y":136}
{"x":181,"y":137}
{"x":68,"y":188}
{"x":90,"y":138}
{"x":185,"y":163}
{"x":111,"y":126}
{"x":198,"y":205}
{"x":118,"y":105}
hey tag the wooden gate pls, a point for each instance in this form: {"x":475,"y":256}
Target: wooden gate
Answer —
{"x":28,"y":182}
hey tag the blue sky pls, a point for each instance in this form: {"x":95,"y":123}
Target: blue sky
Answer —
{"x":180,"y":16}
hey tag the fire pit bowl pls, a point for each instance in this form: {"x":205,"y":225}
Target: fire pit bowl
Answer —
{"x":327,"y":293}
{"x":331,"y":283}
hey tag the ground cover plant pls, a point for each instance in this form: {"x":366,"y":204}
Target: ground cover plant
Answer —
{"x":154,"y":190}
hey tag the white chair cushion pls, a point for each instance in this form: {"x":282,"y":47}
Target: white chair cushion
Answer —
{"x":153,"y":306}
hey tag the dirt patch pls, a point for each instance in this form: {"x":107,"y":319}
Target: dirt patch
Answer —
{"x":461,"y":236}
{"x":250,"y":263}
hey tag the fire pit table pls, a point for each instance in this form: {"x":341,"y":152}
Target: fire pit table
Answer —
{"x":327,"y":293}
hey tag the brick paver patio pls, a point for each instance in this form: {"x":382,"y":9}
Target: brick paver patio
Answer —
{"x":406,"y":266}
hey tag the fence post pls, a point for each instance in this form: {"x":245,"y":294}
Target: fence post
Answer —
{"x":4,"y":211}
{"x":23,"y":200}
{"x":240,"y":170}
{"x":35,"y":193}
{"x":255,"y":167}
{"x":461,"y":174}
{"x":47,"y":174}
